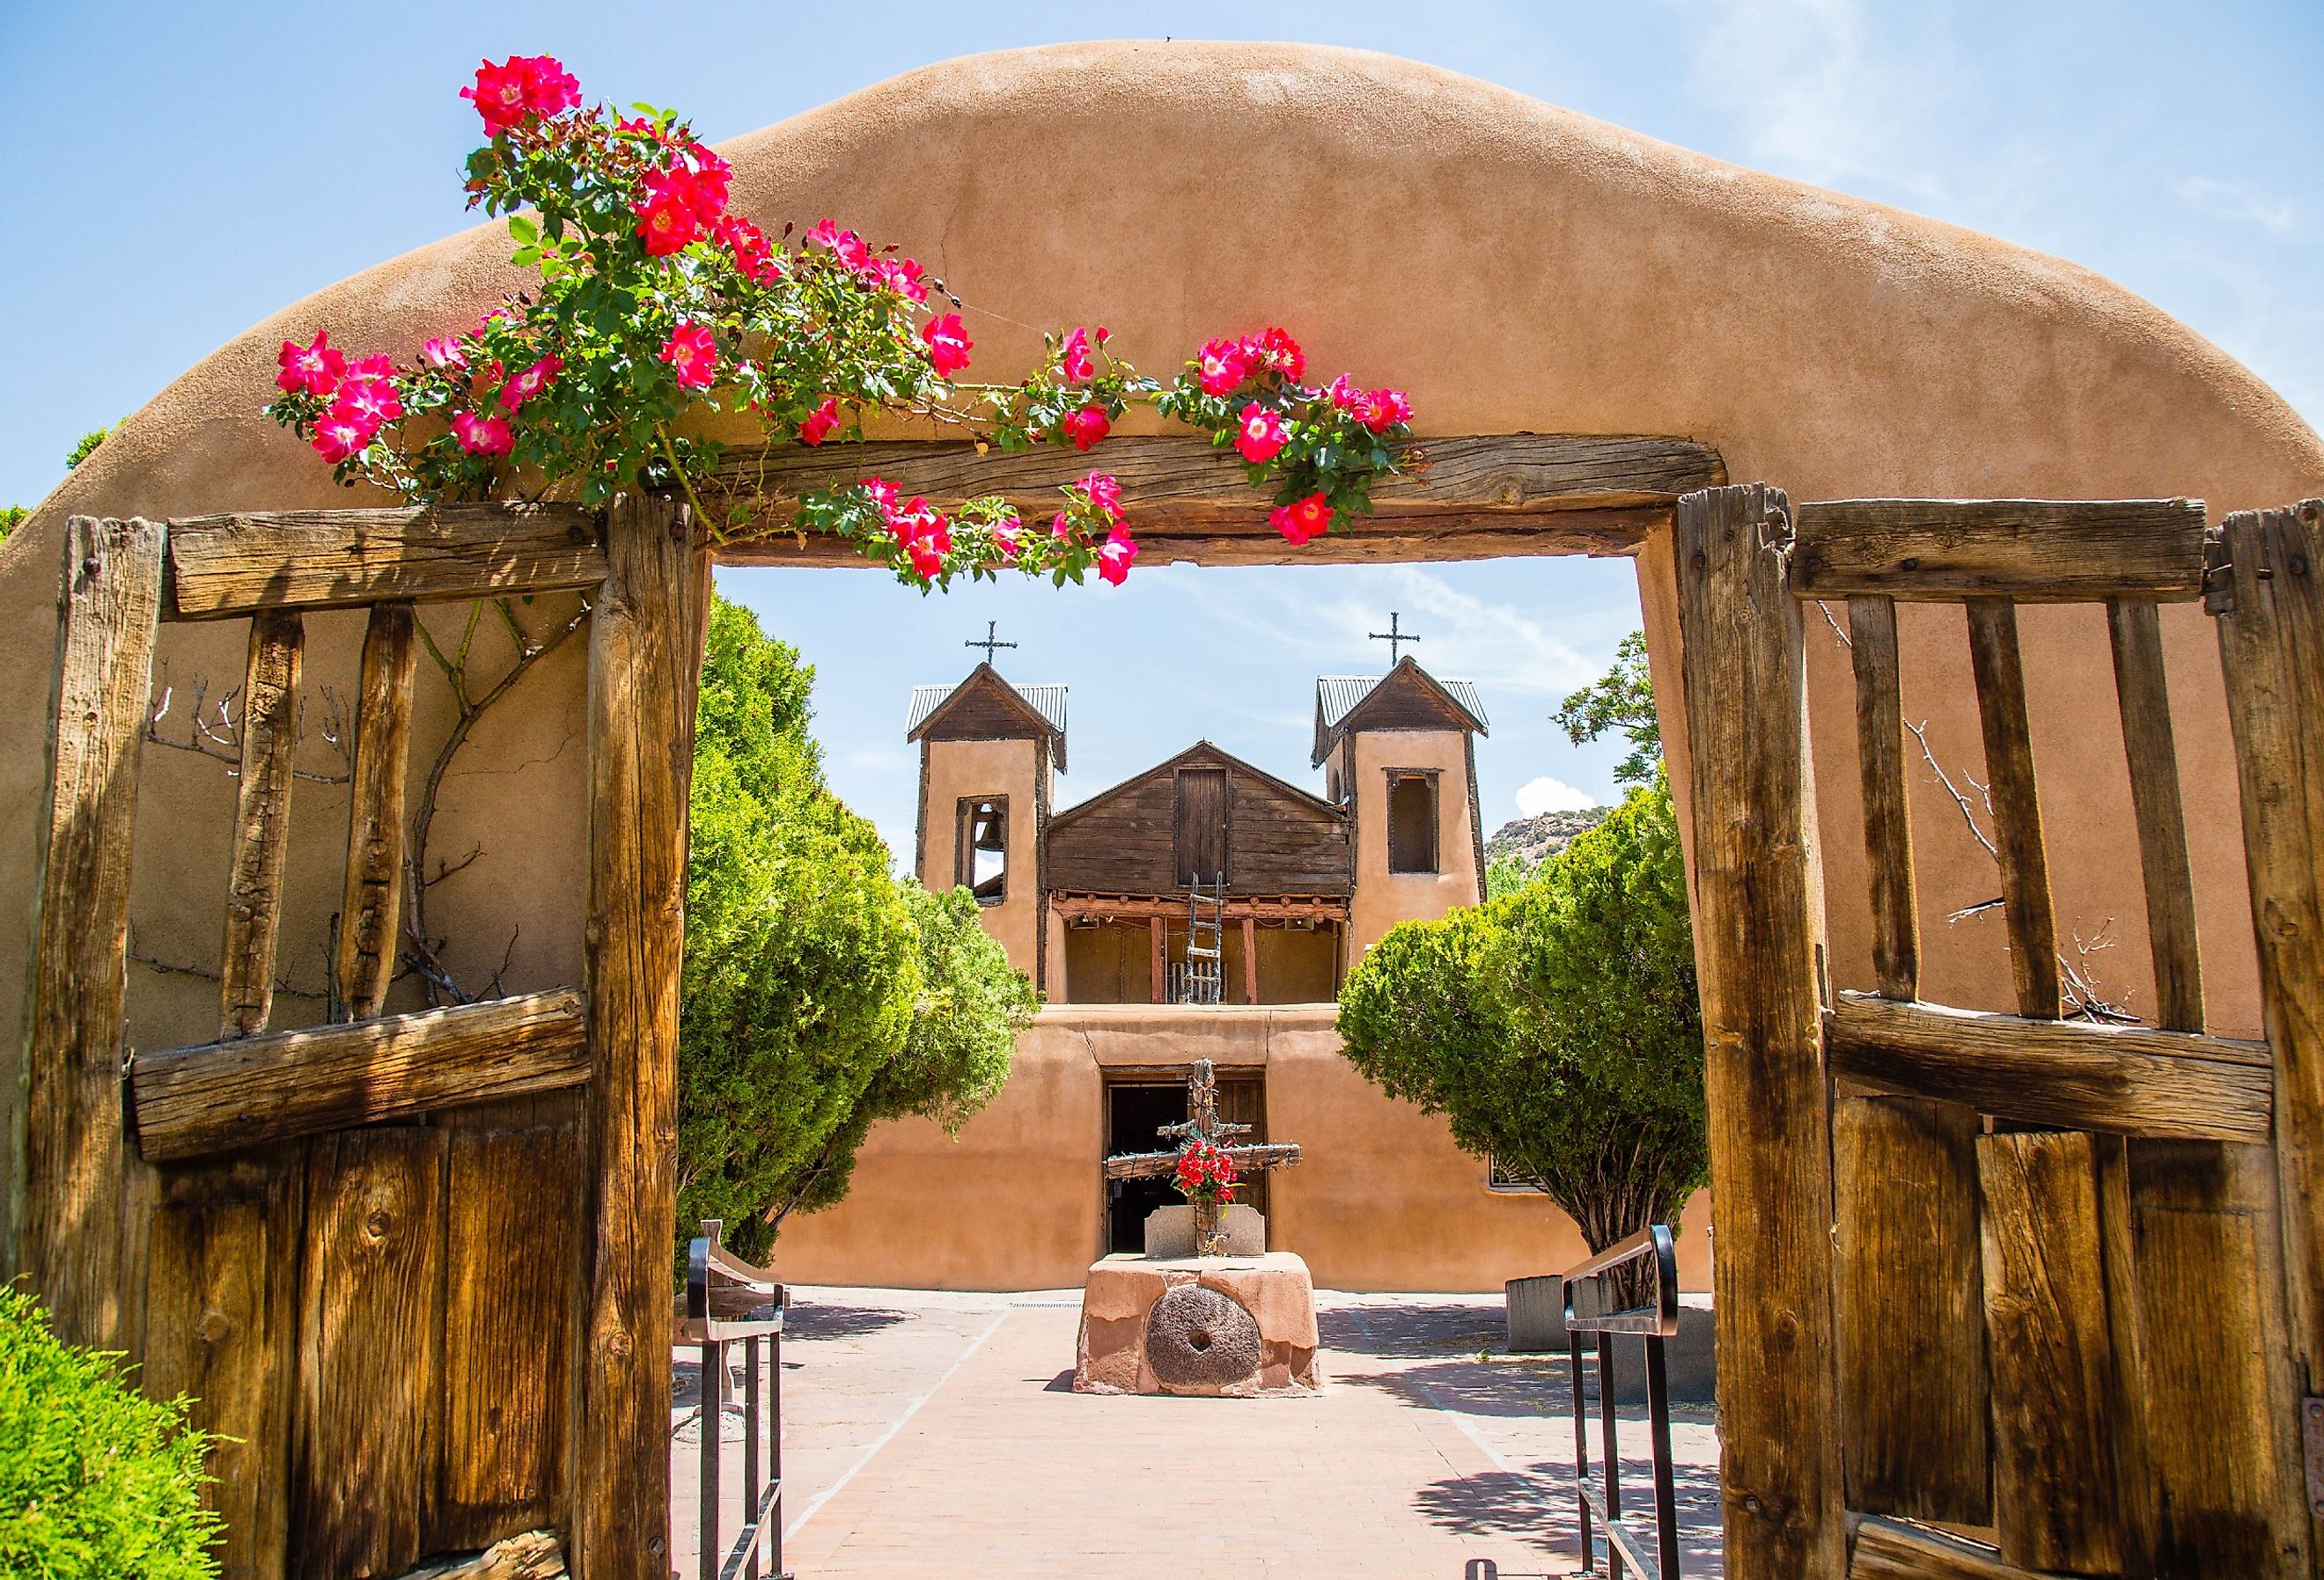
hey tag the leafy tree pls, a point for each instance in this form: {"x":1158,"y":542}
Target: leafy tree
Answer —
{"x":970,"y":1007}
{"x":1622,"y":701}
{"x":86,"y":446}
{"x":819,"y":995}
{"x":1558,"y":1028}
{"x":95,"y":1479}
{"x":11,"y":518}
{"x":1506,"y":875}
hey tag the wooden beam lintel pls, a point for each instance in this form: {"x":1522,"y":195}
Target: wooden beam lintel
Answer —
{"x":1141,"y":908}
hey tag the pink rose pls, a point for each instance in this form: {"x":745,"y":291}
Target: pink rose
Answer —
{"x":1379,"y":409}
{"x":1222,"y":364}
{"x":948,"y":345}
{"x":531,"y":382}
{"x":444,"y":351}
{"x":693,"y":351}
{"x":819,"y":423}
{"x":754,"y":258}
{"x":902,"y":276}
{"x":343,"y":434}
{"x":1104,"y":492}
{"x":500,"y":93}
{"x":1260,"y":438}
{"x":482,"y":436}
{"x":369,"y":399}
{"x":1283,"y":352}
{"x":1114,"y":556}
{"x":1073,"y":358}
{"x":1008,"y":532}
{"x":1302,"y":518}
{"x":316,"y":368}
{"x":1087,"y":426}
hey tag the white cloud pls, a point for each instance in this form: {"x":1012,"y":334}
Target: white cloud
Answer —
{"x":2239,"y":201}
{"x":1545,"y":794}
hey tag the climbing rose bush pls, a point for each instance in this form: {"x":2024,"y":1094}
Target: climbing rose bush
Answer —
{"x":657,"y":306}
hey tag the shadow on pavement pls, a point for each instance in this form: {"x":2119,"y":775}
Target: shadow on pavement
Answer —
{"x":1412,"y":1331}
{"x":824,"y":1319}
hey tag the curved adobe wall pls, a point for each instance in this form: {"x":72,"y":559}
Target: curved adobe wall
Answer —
{"x":1517,"y":266}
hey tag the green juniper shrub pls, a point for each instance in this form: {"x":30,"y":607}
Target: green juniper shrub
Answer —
{"x":820,"y":995}
{"x":1557,"y":1028}
{"x":96,"y":1481}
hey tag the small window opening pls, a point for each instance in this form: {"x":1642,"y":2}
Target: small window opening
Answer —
{"x":1411,"y":822}
{"x":982,"y":854}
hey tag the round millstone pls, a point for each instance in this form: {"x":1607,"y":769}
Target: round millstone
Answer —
{"x":1196,"y":1336}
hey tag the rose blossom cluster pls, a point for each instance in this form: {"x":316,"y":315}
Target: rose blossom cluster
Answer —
{"x":1204,"y":1169}
{"x":1284,"y":429}
{"x":714,"y":315}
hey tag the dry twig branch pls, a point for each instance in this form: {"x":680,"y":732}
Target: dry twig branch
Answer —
{"x":216,"y":731}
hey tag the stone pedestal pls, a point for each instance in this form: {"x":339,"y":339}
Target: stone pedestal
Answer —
{"x":1170,"y":1231}
{"x":1223,"y":1326}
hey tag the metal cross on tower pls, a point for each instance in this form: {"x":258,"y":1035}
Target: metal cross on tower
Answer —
{"x":989,"y":644}
{"x":1395,"y":636}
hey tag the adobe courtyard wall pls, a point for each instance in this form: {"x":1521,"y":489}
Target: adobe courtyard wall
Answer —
{"x":1515,"y":266}
{"x":1382,"y":1199}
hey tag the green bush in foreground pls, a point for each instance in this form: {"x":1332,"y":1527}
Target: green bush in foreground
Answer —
{"x":95,"y":1479}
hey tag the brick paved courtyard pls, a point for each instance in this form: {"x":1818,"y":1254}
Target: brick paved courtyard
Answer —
{"x":936,"y":1435}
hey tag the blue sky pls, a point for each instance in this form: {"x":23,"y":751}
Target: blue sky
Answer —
{"x":179,"y":171}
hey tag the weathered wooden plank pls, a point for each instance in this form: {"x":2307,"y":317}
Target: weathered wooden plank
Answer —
{"x":1250,"y":959}
{"x":2225,"y":1488}
{"x":1912,"y":1310}
{"x":2272,"y":650}
{"x":1181,"y":480}
{"x":2024,"y":858}
{"x":2135,"y":629}
{"x":2128,"y":1337}
{"x":644,"y":666}
{"x":194,"y":1100}
{"x":70,"y":1214}
{"x":2034,"y":550}
{"x":2053,"y":1356}
{"x":1887,"y":809}
{"x":369,"y":902}
{"x":2131,"y":1080}
{"x":222,"y":1330}
{"x":1758,"y":934}
{"x":363,"y":1442}
{"x":223,"y":565}
{"x":262,"y":822}
{"x":513,"y":1245}
{"x":1158,"y":929}
{"x":1886,"y":1551}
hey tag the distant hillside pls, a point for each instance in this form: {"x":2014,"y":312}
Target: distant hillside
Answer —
{"x":1534,"y":839}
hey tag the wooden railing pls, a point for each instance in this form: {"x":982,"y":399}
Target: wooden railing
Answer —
{"x":716,"y":1281}
{"x":1600,"y":1282}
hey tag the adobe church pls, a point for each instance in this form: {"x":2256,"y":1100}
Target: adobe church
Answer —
{"x":1203,"y":908}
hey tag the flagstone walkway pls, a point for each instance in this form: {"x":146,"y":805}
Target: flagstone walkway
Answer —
{"x":936,"y":1435}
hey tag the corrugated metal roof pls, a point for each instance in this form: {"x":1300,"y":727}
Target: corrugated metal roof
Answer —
{"x":1336,"y":696}
{"x":1048,"y":701}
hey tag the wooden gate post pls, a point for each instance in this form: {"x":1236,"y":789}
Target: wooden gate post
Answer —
{"x":2269,"y":595}
{"x":1759,"y":938}
{"x":68,"y":1220}
{"x":644,"y":667}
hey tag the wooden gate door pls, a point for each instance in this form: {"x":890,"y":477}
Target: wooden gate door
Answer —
{"x":2002,"y":1295}
{"x":414,"y":1268}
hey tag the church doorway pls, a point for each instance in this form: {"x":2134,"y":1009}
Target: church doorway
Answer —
{"x":1136,"y":1107}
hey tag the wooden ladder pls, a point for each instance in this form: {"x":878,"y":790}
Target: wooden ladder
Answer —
{"x":1206,"y":914}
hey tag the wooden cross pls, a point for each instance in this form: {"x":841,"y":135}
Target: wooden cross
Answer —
{"x":1395,"y":636}
{"x":989,"y":644}
{"x":1203,"y":1124}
